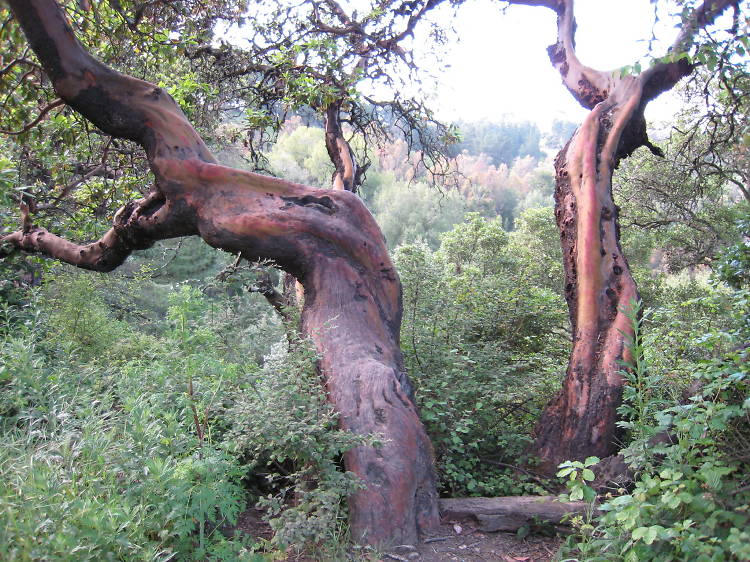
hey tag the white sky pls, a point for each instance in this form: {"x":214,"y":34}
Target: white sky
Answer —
{"x":499,"y":68}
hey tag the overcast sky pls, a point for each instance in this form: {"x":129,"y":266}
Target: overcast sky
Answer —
{"x":499,"y":67}
{"x":495,"y":67}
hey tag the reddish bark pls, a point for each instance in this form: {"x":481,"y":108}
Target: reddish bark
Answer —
{"x":581,"y":420}
{"x":347,"y":175}
{"x":598,"y":287}
{"x":326,"y":239}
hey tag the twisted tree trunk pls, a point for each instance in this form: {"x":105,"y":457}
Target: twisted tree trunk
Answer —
{"x":599,"y":288}
{"x":326,"y":239}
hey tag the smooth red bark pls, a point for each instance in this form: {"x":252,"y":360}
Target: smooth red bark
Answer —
{"x":581,"y":420}
{"x":327,"y":239}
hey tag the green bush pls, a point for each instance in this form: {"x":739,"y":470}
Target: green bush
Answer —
{"x":101,"y":457}
{"x":691,"y":498}
{"x":484,"y":351}
{"x":285,"y":428}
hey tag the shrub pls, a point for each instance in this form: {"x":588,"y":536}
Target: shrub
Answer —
{"x":691,"y":498}
{"x":484,"y":352}
{"x":286,"y":428}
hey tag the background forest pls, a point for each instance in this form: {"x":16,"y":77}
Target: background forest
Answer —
{"x":144,"y":410}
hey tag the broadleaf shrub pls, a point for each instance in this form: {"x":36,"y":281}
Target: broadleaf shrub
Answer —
{"x":691,"y":495}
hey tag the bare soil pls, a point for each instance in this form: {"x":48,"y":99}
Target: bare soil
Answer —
{"x":461,"y":542}
{"x":455,"y":541}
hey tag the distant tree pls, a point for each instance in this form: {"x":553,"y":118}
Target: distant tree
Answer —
{"x":300,"y":155}
{"x":311,"y":56}
{"x":468,"y":318}
{"x":410,"y":212}
{"x":537,"y":243}
{"x":559,"y":133}
{"x":502,"y":142}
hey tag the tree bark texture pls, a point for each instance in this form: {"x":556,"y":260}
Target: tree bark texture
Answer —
{"x":510,"y":513}
{"x":599,"y":288}
{"x":326,"y":239}
{"x":346,"y":175}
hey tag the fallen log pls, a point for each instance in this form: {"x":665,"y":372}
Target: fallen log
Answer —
{"x":509,"y":513}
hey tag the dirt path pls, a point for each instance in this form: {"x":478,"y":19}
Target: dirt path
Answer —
{"x":455,"y":541}
{"x":460,"y":542}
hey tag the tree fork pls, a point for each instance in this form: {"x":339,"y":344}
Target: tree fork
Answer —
{"x":581,"y":420}
{"x":326,"y":239}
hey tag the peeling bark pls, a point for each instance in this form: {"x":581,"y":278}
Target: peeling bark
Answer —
{"x":346,"y":174}
{"x":599,"y":288}
{"x":326,"y":239}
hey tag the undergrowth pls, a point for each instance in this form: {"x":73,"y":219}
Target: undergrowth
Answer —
{"x":120,"y":445}
{"x":690,"y":499}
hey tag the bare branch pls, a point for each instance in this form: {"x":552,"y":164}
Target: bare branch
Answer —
{"x":20,"y":60}
{"x":45,"y":110}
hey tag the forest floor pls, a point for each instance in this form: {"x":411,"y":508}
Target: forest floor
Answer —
{"x":472,"y":545}
{"x":455,"y":541}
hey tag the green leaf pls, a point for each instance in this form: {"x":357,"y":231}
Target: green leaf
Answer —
{"x":523,"y":531}
{"x":651,"y":535}
{"x":639,"y":533}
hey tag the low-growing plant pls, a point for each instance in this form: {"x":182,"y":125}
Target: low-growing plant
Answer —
{"x":100,"y":457}
{"x":285,"y":427}
{"x":691,"y":498}
{"x":578,"y":475}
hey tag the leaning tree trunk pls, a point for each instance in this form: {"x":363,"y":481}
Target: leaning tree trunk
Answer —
{"x":326,"y":239}
{"x":581,"y":420}
{"x":599,"y":288}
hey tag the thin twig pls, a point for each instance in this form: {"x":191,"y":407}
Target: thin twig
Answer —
{"x":45,"y":110}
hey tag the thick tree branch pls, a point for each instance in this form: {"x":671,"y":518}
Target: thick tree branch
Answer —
{"x":119,"y":105}
{"x":325,"y":238}
{"x":599,"y":287}
{"x":136,"y":226}
{"x":587,"y":85}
